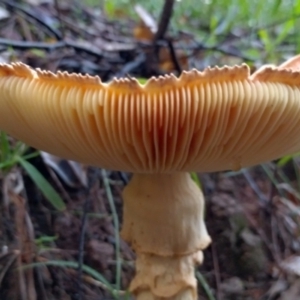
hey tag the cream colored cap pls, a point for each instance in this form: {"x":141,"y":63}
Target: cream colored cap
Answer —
{"x":218,"y":119}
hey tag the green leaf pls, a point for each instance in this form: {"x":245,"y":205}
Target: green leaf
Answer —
{"x":109,"y":8}
{"x":276,"y":6}
{"x":5,"y":148}
{"x":38,"y":53}
{"x":284,"y":32}
{"x":196,"y":179}
{"x":46,"y":239}
{"x":48,"y":191}
{"x":266,"y":39}
{"x":284,"y":160}
{"x":142,"y":80}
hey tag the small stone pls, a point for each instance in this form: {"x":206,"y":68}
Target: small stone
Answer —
{"x":233,"y":285}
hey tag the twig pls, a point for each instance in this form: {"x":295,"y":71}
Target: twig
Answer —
{"x":164,"y":20}
{"x":261,"y":233}
{"x":262,"y":198}
{"x":59,"y":17}
{"x":174,"y":56}
{"x":200,"y":47}
{"x":41,"y":283}
{"x":81,"y":246}
{"x":116,"y":228}
{"x":274,"y":236}
{"x":273,"y":224}
{"x":14,"y":6}
{"x":272,"y":178}
{"x":49,"y":46}
{"x":59,"y":184}
{"x":24,"y":28}
{"x":29,"y":45}
{"x":258,"y":229}
{"x":11,"y":257}
{"x":216,"y":270}
{"x":131,"y":66}
{"x":21,"y":279}
{"x":124,"y":177}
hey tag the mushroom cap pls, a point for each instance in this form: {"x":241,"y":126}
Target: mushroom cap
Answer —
{"x":218,"y":119}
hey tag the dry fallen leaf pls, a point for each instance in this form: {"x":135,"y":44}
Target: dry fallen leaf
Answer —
{"x":4,"y":14}
{"x":292,"y":265}
{"x":277,"y":288}
{"x":293,"y":293}
{"x":72,"y":173}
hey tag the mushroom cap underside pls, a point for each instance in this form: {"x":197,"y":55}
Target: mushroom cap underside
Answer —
{"x":218,"y":119}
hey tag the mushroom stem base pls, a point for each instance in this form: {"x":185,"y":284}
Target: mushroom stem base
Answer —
{"x":168,"y":278}
{"x":163,"y":222}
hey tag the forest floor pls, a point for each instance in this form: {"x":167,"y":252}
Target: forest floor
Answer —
{"x":252,"y":215}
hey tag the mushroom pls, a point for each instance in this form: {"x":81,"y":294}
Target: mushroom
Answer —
{"x":218,"y":119}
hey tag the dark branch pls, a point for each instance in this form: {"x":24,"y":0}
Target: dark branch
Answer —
{"x":164,"y":20}
{"x":59,"y":17}
{"x":14,"y":6}
{"x":21,"y":45}
{"x":174,"y":56}
{"x":131,"y":66}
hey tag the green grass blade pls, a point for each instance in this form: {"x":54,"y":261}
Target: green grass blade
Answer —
{"x":116,"y":228}
{"x":196,"y":179}
{"x":48,"y":191}
{"x":5,"y":148}
{"x":205,"y":286}
{"x":74,"y":265}
{"x":284,"y":160}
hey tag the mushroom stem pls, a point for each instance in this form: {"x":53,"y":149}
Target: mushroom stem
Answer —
{"x":163,"y":222}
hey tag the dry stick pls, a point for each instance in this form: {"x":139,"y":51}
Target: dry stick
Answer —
{"x":21,"y":279}
{"x":124,"y":177}
{"x":217,"y":270}
{"x":51,"y":46}
{"x":274,"y":232}
{"x":262,"y":198}
{"x":59,"y":185}
{"x":24,"y":28}
{"x":200,"y":47}
{"x":174,"y":56}
{"x":8,"y":264}
{"x":131,"y":66}
{"x":273,"y":223}
{"x":40,"y":281}
{"x":164,"y":21}
{"x":81,"y":246}
{"x":25,"y":283}
{"x":59,"y":16}
{"x":14,"y":6}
